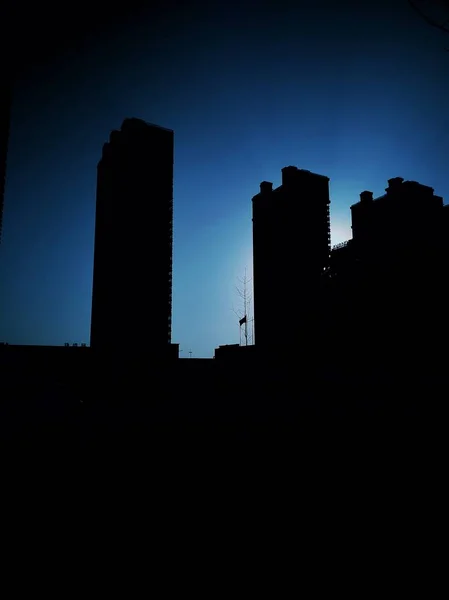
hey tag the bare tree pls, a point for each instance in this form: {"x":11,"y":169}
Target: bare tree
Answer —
{"x":244,"y":313}
{"x":434,"y":12}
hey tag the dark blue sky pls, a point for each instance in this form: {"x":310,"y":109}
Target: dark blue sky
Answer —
{"x":358,"y":92}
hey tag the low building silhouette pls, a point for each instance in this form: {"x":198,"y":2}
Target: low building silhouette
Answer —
{"x":235,"y":352}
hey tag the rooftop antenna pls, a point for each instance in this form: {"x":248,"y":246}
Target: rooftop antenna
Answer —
{"x":190,"y":352}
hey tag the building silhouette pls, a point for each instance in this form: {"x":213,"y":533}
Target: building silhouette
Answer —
{"x":291,"y":247}
{"x":132,"y":280}
{"x":5,"y":117}
{"x":387,"y":284}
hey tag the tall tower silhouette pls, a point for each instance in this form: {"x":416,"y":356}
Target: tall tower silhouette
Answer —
{"x":291,"y":247}
{"x":132,"y":281}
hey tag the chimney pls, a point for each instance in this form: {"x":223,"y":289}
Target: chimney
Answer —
{"x":266,"y":187}
{"x":366,"y":196}
{"x":394,"y":184}
{"x":289,"y":175}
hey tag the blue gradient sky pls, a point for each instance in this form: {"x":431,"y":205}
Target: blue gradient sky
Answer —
{"x":359,"y":93}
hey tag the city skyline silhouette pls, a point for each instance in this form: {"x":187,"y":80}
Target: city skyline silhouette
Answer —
{"x":154,"y":154}
{"x":341,"y":126}
{"x":367,"y":283}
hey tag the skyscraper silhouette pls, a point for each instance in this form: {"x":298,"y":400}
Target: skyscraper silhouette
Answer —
{"x":291,"y":246}
{"x":132,"y":283}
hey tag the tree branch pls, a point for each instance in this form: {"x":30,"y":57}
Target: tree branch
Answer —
{"x":441,"y":26}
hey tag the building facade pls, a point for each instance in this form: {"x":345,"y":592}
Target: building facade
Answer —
{"x":291,"y":247}
{"x":388,"y":281}
{"x":132,"y":278}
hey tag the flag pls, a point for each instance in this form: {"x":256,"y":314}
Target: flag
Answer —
{"x":242,"y":320}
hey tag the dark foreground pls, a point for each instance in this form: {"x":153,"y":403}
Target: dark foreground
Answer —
{"x":132,"y":468}
{"x":69,"y":412}
{"x":219,"y":422}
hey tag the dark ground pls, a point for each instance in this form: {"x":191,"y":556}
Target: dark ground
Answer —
{"x":128,"y":423}
{"x":127,"y":477}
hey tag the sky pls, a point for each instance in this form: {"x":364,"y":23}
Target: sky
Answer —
{"x":357,"y":92}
